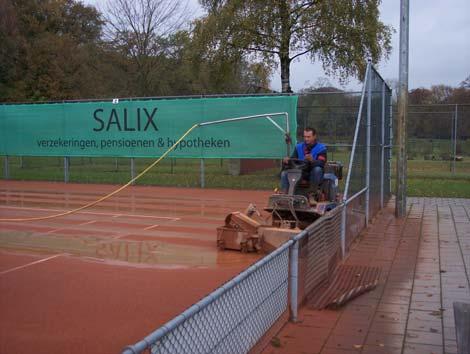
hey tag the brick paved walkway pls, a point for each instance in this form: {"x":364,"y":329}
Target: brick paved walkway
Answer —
{"x":425,"y":261}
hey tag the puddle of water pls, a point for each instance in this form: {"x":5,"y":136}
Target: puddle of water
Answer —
{"x":125,"y":252}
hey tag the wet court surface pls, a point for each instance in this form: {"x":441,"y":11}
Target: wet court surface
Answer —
{"x":105,"y":277}
{"x":425,"y":262}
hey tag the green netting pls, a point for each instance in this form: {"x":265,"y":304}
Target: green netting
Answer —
{"x":147,"y":128}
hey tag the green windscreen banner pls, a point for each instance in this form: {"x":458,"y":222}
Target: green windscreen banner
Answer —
{"x":148,"y":128}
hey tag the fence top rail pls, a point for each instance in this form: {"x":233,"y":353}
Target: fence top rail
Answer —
{"x":173,"y":97}
{"x":328,"y":106}
{"x":148,"y":98}
{"x":424,"y":112}
{"x":328,"y":93}
{"x":439,"y":104}
{"x":381,"y":78}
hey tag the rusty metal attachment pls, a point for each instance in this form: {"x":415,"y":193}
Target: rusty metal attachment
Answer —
{"x":240,"y":232}
{"x":248,"y":232}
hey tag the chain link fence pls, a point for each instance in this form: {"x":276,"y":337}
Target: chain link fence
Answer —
{"x":439,"y":140}
{"x":320,"y":252}
{"x":233,"y":318}
{"x":368,"y":184}
{"x":236,"y":316}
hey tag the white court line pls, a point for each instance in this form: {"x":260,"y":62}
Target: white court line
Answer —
{"x":32,"y":263}
{"x":151,"y":227}
{"x":87,"y":223}
{"x":52,"y":231}
{"x":94,"y":213}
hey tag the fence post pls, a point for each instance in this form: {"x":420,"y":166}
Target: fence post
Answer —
{"x":400,"y":202}
{"x":451,"y":146}
{"x":454,"y":148}
{"x":132,"y":169}
{"x":343,"y":230}
{"x":369,"y":107}
{"x":294,"y":280}
{"x":390,"y":143}
{"x":66,"y":169}
{"x":202,"y":174}
{"x":382,"y":149}
{"x":6,"y":170}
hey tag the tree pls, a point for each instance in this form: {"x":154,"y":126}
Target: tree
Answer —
{"x":322,"y":84}
{"x":466,"y":83}
{"x":213,"y":72}
{"x":140,"y":29}
{"x":441,"y":93}
{"x":420,"y":96}
{"x":341,"y":34}
{"x":255,"y":77}
{"x":10,"y":48}
{"x":57,"y":50}
{"x":50,"y":47}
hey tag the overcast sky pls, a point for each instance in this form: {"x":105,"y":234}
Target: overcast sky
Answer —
{"x":439,"y":45}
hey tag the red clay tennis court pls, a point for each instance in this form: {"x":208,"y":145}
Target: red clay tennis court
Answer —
{"x":105,"y":277}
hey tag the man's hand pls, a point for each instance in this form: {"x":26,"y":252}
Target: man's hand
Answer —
{"x":309,"y":158}
{"x":285,"y":160}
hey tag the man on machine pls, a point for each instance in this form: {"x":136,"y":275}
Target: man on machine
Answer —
{"x":312,"y":152}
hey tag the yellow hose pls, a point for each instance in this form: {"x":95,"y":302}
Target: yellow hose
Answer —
{"x":112,"y":193}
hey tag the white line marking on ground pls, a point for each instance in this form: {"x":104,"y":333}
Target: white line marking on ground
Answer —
{"x":151,"y":227}
{"x":31,"y":264}
{"x":94,"y":213}
{"x":117,"y":237}
{"x":52,"y":231}
{"x":87,"y":223}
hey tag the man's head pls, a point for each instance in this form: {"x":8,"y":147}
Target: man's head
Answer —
{"x":310,"y":136}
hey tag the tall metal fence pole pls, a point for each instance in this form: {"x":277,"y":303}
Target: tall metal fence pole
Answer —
{"x":6,"y":166}
{"x":66,"y":169}
{"x":390,"y":142}
{"x":382,"y":149}
{"x":400,"y":207}
{"x":294,"y":280}
{"x":369,"y":108}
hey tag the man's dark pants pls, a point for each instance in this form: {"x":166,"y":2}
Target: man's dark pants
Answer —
{"x":315,"y":177}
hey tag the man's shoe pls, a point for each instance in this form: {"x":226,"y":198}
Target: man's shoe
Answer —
{"x":311,"y":199}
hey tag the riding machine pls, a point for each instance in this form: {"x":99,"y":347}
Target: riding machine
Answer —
{"x":288,"y":213}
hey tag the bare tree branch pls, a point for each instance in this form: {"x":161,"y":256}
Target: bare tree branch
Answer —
{"x":139,"y":27}
{"x":301,"y":53}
